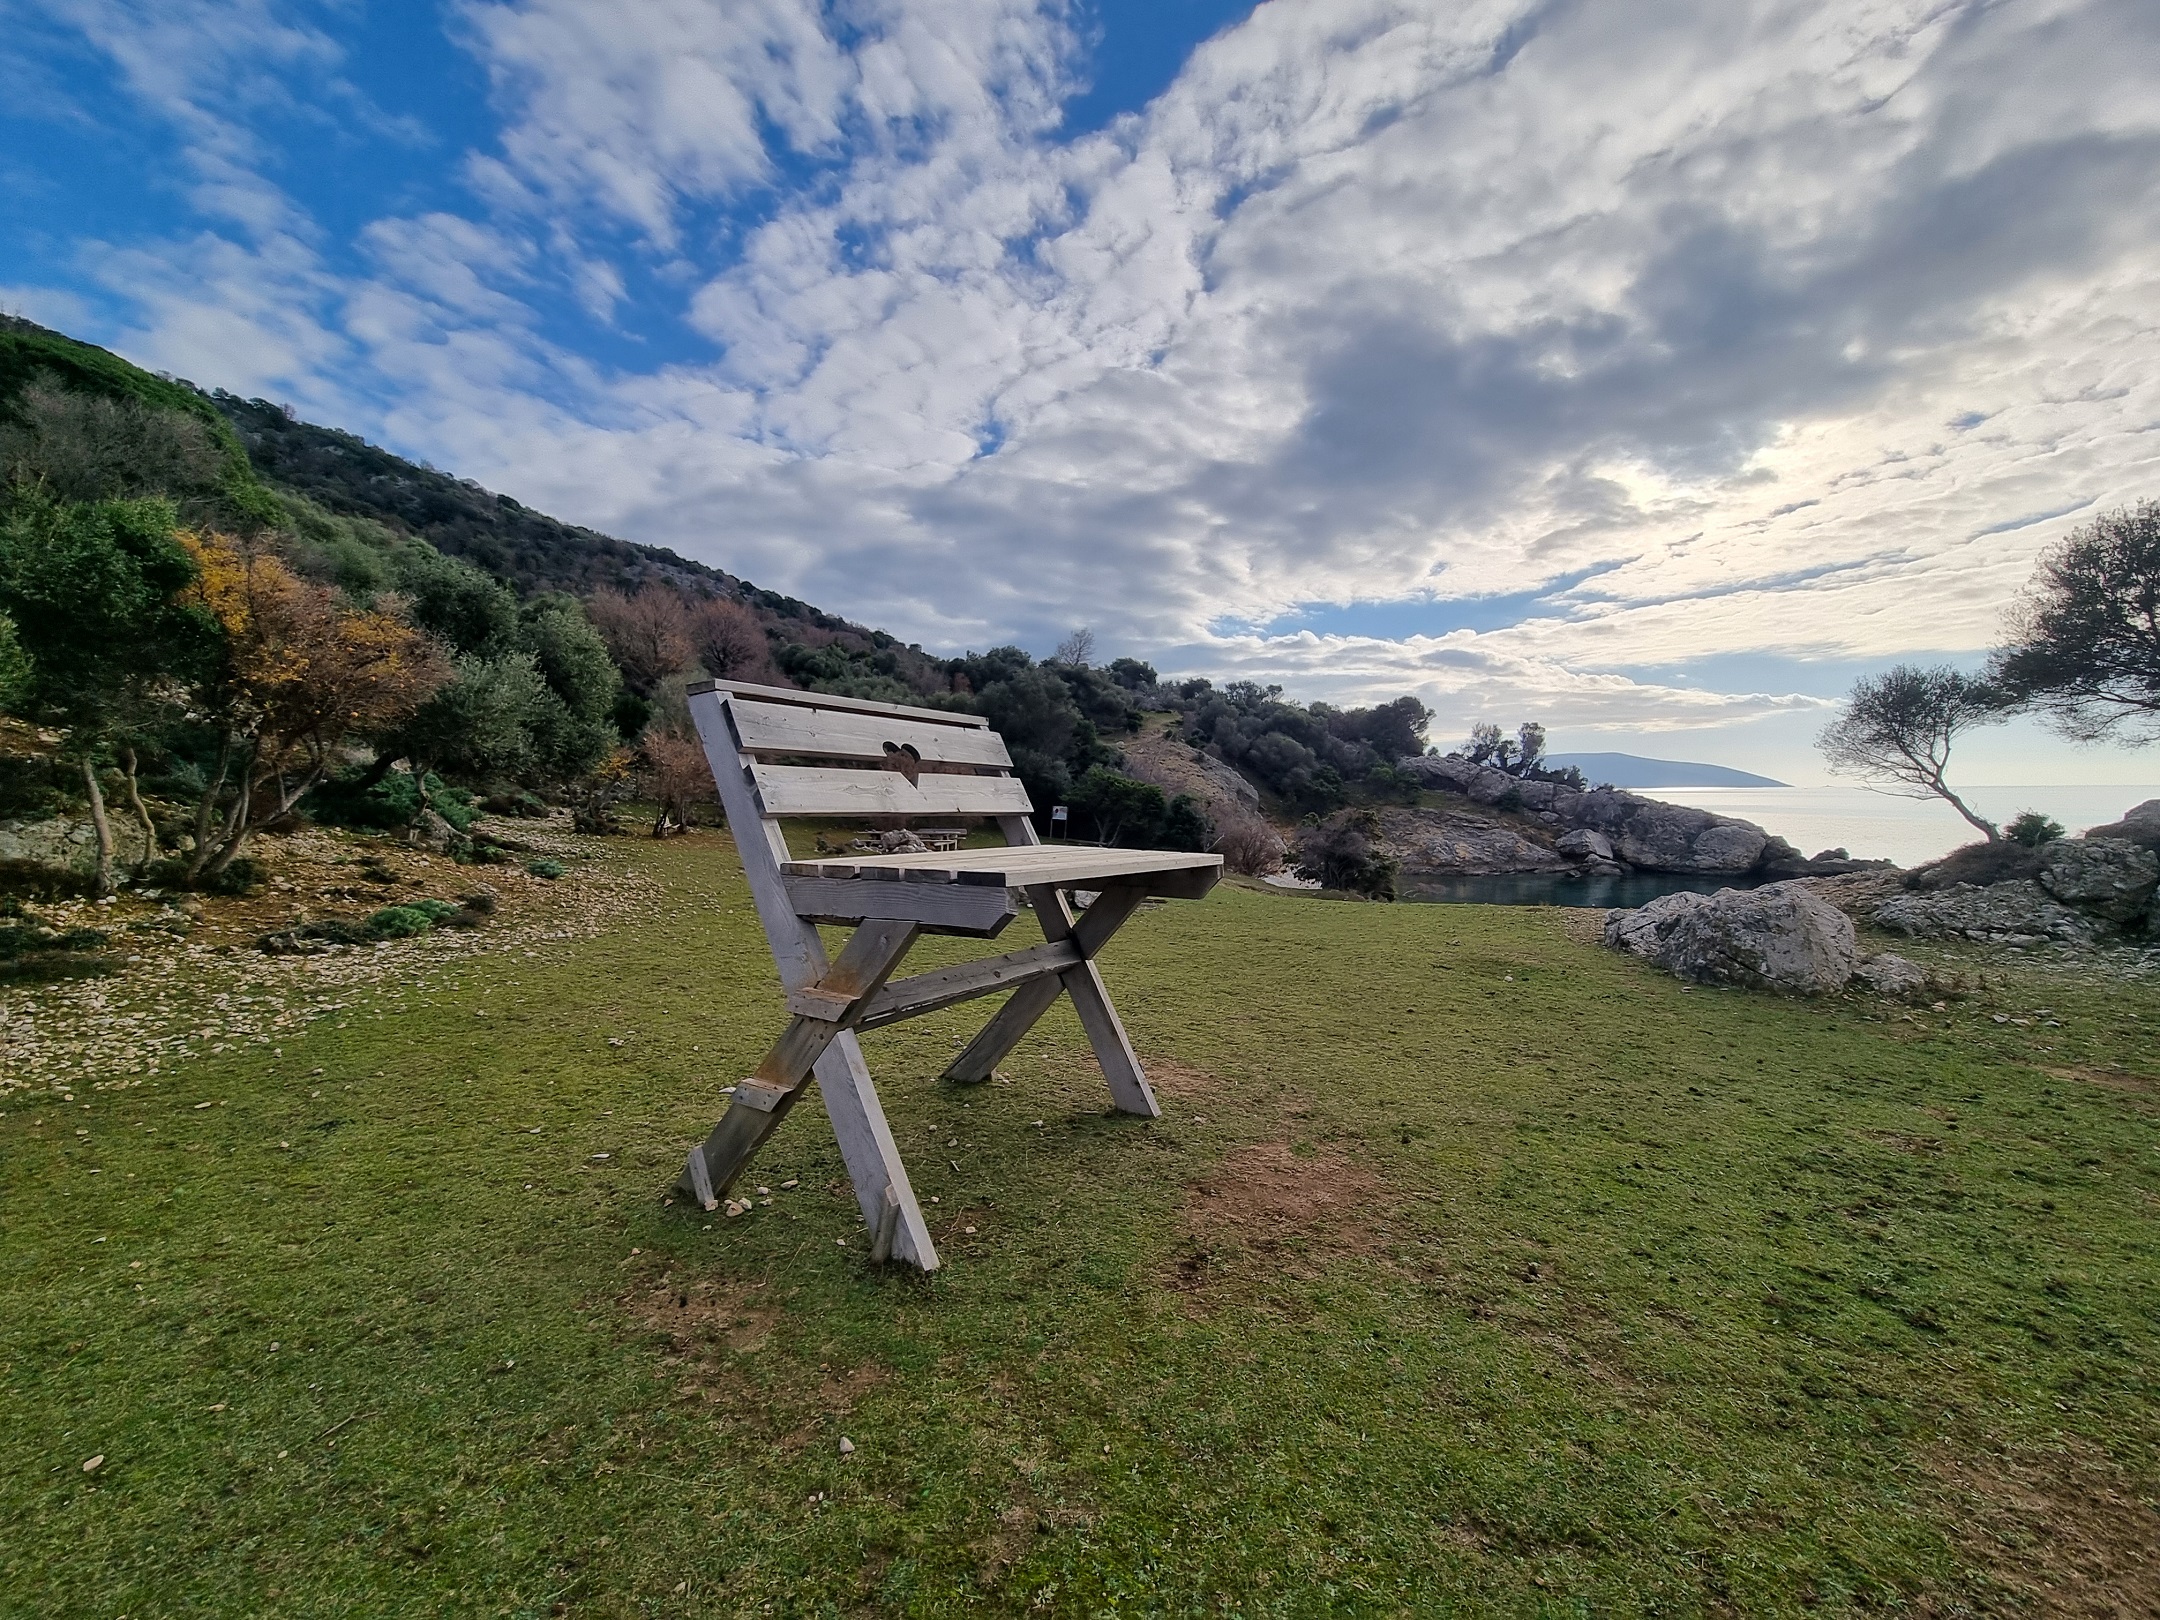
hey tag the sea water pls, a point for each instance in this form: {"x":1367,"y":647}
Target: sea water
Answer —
{"x":1873,"y":825}
{"x":1868,"y":824}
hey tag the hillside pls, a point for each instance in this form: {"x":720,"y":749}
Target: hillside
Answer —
{"x":532,"y":551}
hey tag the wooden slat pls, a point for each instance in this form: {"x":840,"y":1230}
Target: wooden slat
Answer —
{"x":1041,"y":863}
{"x":816,"y":790}
{"x":776,"y":728}
{"x":941,"y":908}
{"x":947,"y":987}
{"x":826,"y":700}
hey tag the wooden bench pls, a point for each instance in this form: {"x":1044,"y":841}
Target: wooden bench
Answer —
{"x":777,"y":753}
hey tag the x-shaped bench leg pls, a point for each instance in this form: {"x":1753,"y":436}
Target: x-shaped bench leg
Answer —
{"x":763,"y":1100}
{"x":1129,"y":1088}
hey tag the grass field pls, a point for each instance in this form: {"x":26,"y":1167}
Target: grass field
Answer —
{"x":1472,"y":1269}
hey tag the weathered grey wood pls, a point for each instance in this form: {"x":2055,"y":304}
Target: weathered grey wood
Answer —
{"x":1043,"y":863}
{"x":946,"y":908}
{"x":948,"y":987}
{"x":825,"y":790}
{"x":851,"y":1104}
{"x":892,"y":899}
{"x":1129,"y":1088}
{"x":1007,"y":1026}
{"x":1010,"y":1024}
{"x":762,"y":1101}
{"x":782,"y":728}
{"x":826,"y":700}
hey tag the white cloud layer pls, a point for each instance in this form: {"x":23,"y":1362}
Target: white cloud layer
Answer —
{"x":1742,"y":328}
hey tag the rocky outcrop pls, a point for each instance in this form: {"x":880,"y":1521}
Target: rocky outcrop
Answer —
{"x":71,"y":846}
{"x":1645,"y":833}
{"x":2110,"y":877}
{"x":2003,"y":913}
{"x":1442,"y":843}
{"x":1780,"y":937}
{"x":1582,"y":844}
{"x":2140,"y":826}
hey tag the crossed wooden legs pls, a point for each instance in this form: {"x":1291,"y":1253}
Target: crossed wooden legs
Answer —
{"x":820,"y":1039}
{"x":1128,"y":1085}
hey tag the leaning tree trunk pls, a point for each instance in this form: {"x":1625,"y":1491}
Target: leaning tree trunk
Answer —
{"x":142,"y":813}
{"x":103,"y":826}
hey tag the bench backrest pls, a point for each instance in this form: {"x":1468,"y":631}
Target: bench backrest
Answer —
{"x":876,"y":759}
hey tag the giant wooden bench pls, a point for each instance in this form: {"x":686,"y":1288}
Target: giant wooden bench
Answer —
{"x":777,"y":753}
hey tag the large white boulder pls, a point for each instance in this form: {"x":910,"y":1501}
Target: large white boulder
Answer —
{"x":1781,"y":937}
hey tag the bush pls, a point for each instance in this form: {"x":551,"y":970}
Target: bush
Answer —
{"x":549,"y":869}
{"x":243,"y":875}
{"x":1338,"y":853}
{"x":399,"y":922}
{"x":2032,"y":829}
{"x":1981,"y":863}
{"x":1248,"y":844}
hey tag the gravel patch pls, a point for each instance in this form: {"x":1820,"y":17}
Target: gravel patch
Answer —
{"x":180,"y":992}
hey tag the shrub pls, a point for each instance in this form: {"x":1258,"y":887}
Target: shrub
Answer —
{"x":1339,"y":853}
{"x":1981,"y":863}
{"x":545,"y":868}
{"x":243,"y":875}
{"x":399,"y":922}
{"x":435,"y":910}
{"x":1248,"y":844}
{"x":2032,"y":829}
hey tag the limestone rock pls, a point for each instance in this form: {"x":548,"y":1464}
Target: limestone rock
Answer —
{"x":1891,"y":975}
{"x":2020,"y":909}
{"x":431,"y":832}
{"x":1780,"y":937}
{"x":2111,"y":877}
{"x":1644,"y":832}
{"x":2140,"y":825}
{"x":68,"y":845}
{"x":1585,"y":844}
{"x":1442,"y":843}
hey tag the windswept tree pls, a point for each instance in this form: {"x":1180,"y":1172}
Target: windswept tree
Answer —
{"x":2085,"y":639}
{"x":1899,"y":727}
{"x":301,"y":674}
{"x":92,"y":590}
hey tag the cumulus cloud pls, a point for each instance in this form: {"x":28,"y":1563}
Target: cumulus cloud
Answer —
{"x":1700,"y":327}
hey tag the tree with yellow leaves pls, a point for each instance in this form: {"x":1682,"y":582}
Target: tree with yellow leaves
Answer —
{"x":300,"y":675}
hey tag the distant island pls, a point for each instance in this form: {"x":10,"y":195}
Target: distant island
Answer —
{"x":1632,"y":771}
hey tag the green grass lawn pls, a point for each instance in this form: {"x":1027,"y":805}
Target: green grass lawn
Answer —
{"x":1473,"y":1269}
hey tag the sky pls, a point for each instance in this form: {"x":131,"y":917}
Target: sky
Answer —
{"x":1650,"y":369}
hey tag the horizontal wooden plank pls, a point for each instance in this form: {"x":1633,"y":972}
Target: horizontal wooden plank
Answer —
{"x":778,"y":728}
{"x":817,"y":790}
{"x":1018,"y":865}
{"x":941,"y":908}
{"x":948,"y":987}
{"x":826,"y":700}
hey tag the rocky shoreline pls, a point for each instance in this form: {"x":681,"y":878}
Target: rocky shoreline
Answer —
{"x":1528,"y":826}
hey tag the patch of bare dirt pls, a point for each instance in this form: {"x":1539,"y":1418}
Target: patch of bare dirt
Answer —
{"x":701,"y":1318}
{"x":2060,"y":1533}
{"x":1269,"y":1210}
{"x":2111,"y":1079}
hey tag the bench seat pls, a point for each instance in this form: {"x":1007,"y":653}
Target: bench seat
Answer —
{"x":1017,"y":866}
